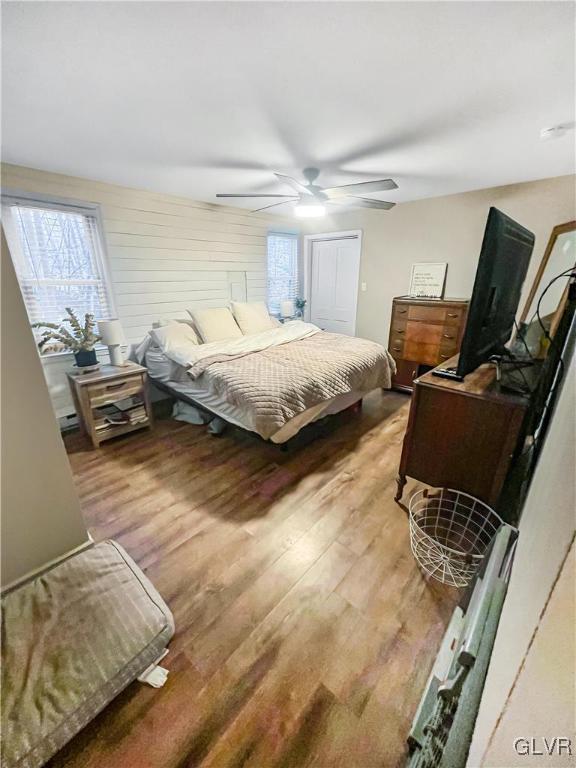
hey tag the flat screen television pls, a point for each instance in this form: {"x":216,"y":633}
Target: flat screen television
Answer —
{"x":506,"y":250}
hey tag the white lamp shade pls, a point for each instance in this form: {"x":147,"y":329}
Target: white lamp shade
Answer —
{"x":111,"y":332}
{"x":287,"y":308}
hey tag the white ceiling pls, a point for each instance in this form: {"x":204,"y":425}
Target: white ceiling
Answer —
{"x":194,"y":98}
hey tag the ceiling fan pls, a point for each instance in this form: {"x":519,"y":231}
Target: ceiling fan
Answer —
{"x":311,"y":200}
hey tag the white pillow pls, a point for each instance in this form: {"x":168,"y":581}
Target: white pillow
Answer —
{"x":252,"y":317}
{"x":172,"y":321}
{"x":174,"y":340}
{"x":215,"y":324}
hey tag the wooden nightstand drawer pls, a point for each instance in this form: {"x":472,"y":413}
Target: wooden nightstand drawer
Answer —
{"x":101,"y":394}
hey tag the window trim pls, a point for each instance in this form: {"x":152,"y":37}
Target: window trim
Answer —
{"x":68,"y":205}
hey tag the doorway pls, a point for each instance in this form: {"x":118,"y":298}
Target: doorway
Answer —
{"x":331,"y":274}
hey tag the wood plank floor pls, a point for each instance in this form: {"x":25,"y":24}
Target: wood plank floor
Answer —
{"x":305,"y":631}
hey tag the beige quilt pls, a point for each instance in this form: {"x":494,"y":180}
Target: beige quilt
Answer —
{"x":277,"y":382}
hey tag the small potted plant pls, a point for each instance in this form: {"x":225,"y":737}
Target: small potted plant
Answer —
{"x":79,"y":339}
{"x":300,"y":304}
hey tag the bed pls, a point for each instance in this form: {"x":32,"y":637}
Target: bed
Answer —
{"x":275,"y":382}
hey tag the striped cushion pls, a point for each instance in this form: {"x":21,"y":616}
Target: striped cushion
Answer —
{"x":73,"y":638}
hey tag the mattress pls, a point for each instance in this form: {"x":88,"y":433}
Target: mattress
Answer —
{"x":73,"y":638}
{"x":175,"y":379}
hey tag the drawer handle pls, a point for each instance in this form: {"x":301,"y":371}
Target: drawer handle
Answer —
{"x":402,"y":311}
{"x":452,"y":314}
{"x":447,"y":336}
{"x":116,"y":386}
{"x":445,"y":357}
{"x":399,"y":331}
{"x":397,"y":349}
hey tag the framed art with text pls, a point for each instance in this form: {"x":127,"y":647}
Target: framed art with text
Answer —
{"x":427,"y":280}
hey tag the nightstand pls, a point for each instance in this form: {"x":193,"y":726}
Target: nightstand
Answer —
{"x":111,"y":401}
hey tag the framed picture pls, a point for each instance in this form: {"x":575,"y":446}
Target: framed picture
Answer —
{"x":427,"y":280}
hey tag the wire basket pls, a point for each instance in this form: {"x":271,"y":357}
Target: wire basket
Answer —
{"x":449,"y":533}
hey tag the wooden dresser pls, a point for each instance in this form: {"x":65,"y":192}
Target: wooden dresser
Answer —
{"x":462,"y":434}
{"x":424,"y":333}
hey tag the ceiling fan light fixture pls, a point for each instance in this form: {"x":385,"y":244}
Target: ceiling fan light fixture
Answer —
{"x":310,"y":210}
{"x":309,"y":199}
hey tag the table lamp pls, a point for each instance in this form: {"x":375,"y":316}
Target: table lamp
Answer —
{"x":287,"y":308}
{"x":113,"y":336}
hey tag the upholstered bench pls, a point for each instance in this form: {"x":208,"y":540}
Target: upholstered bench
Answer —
{"x":73,"y":637}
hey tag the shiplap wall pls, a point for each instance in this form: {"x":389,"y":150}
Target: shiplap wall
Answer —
{"x":166,"y":254}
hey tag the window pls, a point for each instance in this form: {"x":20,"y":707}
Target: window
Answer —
{"x":58,"y":257}
{"x":282,"y":269}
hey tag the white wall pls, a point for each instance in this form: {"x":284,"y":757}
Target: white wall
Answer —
{"x":543,"y":700}
{"x":546,"y":531}
{"x":445,"y":229}
{"x":166,"y":253}
{"x":41,"y":517}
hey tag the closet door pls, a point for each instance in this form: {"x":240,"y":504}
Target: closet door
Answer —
{"x":335,"y":267}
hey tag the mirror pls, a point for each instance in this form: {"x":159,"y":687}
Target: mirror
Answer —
{"x":559,"y":256}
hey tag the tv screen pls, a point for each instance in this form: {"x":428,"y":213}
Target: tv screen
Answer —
{"x":506,"y":250}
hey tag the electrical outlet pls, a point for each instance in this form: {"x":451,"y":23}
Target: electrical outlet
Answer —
{"x":363,"y":287}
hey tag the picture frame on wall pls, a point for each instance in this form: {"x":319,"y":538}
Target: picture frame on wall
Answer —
{"x":427,"y":280}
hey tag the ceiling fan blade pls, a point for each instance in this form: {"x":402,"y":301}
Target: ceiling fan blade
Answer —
{"x":363,"y":187}
{"x":251,"y":195}
{"x":296,"y":185}
{"x":283,"y":202}
{"x":362,"y":202}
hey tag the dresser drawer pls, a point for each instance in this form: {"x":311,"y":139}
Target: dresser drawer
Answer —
{"x":454,"y":316}
{"x":396,"y":347}
{"x":427,"y":314}
{"x":400,"y":312}
{"x":449,"y":348}
{"x":103,"y":393}
{"x":423,"y":333}
{"x":398,"y":327}
{"x":426,"y":354}
{"x":449,"y":335}
{"x":406,"y":372}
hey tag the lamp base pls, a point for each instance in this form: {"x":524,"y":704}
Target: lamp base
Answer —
{"x":116,"y":356}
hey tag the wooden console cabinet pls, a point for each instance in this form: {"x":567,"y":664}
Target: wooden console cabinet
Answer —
{"x":462,"y":435}
{"x":424,"y":333}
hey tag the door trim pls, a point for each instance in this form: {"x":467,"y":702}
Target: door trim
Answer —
{"x":349,"y":234}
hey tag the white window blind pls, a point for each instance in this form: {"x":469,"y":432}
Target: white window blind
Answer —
{"x":283,"y":280}
{"x":59,"y":260}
